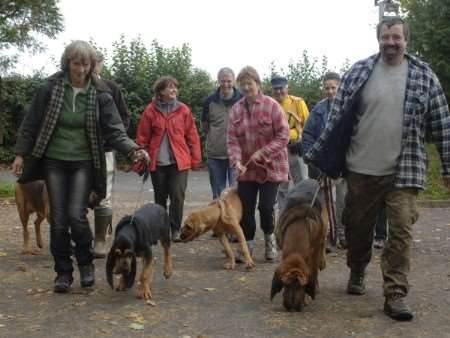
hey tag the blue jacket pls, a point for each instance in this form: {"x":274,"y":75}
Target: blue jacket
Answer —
{"x":315,"y":124}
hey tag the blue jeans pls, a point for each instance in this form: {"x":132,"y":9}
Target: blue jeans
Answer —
{"x":69,"y":184}
{"x":219,"y":172}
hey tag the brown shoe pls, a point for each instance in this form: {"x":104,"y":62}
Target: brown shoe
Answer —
{"x":395,"y":307}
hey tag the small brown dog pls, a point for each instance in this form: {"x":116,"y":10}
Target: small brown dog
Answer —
{"x":301,"y":233}
{"x":32,"y":197}
{"x":222,"y":216}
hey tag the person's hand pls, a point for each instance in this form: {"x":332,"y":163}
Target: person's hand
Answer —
{"x":257,"y":156}
{"x":241,"y":170}
{"x":447,"y":182}
{"x":17,"y":165}
{"x":140,"y":155}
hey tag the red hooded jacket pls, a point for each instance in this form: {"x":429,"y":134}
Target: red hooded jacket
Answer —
{"x":181,"y":131}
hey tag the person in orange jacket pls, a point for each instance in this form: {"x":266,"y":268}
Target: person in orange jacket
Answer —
{"x":168,"y":132}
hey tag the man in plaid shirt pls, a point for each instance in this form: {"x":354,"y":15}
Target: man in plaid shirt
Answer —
{"x":375,"y":134}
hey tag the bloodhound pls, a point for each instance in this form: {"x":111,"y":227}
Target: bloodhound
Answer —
{"x":301,"y":234}
{"x":222,"y":216}
{"x":32,"y":197}
{"x":134,"y":237}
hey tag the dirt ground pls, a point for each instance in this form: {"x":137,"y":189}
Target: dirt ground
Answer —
{"x":203,"y":300}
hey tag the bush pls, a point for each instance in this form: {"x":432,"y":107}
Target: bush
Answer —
{"x":6,"y":189}
{"x":435,"y":189}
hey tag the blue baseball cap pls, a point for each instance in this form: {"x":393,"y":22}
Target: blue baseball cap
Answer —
{"x":278,"y":82}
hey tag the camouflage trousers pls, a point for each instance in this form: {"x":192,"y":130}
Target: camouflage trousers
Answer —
{"x":365,"y":197}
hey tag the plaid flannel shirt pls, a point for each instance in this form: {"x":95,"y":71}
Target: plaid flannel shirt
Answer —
{"x":426,"y":110}
{"x":263,"y":128}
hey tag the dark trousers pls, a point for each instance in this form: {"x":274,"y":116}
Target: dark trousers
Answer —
{"x":381,"y":225}
{"x":69,"y":184}
{"x":169,"y":182}
{"x":366,"y":196}
{"x":248,"y":193}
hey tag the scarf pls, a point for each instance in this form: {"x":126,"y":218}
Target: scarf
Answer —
{"x":51,"y":118}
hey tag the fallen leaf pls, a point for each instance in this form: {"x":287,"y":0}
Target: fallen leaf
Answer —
{"x":80,"y":303}
{"x":150,"y":302}
{"x":2,"y":325}
{"x":22,"y":268}
{"x":242,"y":279}
{"x":3,"y":254}
{"x":210,"y":289}
{"x":136,"y":326}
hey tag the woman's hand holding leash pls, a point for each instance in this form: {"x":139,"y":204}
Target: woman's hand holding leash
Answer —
{"x":17,"y":165}
{"x":241,"y":169}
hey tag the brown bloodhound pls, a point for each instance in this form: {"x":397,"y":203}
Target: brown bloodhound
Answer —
{"x":134,"y":237}
{"x":32,"y":198}
{"x":301,"y":234}
{"x":222,"y":216}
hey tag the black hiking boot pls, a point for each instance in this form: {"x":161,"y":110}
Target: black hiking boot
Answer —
{"x":356,"y":284}
{"x":63,"y":281}
{"x":395,"y":307}
{"x":87,"y":275}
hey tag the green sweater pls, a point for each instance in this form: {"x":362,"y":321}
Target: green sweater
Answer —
{"x":69,"y":141}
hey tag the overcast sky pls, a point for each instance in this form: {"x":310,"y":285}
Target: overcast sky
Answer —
{"x":230,"y":33}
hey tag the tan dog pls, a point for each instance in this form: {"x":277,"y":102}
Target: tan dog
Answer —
{"x":222,"y":216}
{"x":32,"y":198}
{"x":302,"y":233}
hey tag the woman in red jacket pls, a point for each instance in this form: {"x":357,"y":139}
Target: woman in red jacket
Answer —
{"x":167,"y":131}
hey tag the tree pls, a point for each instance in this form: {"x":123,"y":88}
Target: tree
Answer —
{"x":304,"y":78}
{"x":22,"y":21}
{"x":430,"y":30}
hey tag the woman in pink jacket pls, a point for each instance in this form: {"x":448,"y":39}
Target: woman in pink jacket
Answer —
{"x":258,"y":135}
{"x":167,"y":131}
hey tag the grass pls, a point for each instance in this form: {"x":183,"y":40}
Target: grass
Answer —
{"x":435,"y":189}
{"x":6,"y":189}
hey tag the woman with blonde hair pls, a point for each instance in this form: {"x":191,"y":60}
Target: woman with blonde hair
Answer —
{"x":257,"y":138}
{"x":61,"y":140}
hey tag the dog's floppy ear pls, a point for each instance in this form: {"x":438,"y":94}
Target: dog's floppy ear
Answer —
{"x":129,"y":278}
{"x":110,"y":262}
{"x":277,"y":284}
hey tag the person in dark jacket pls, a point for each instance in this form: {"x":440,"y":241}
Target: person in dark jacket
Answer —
{"x":103,"y":213}
{"x":69,"y":119}
{"x":216,"y":110}
{"x":313,"y":128}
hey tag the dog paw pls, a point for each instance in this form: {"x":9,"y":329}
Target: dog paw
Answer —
{"x":250,"y":265}
{"x":229,"y":265}
{"x":322,"y":264}
{"x":121,"y":286}
{"x":167,"y":273}
{"x":144,"y":292}
{"x":33,"y":252}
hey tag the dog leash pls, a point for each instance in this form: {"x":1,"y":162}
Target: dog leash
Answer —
{"x":258,"y":165}
{"x":330,"y":209}
{"x":141,"y":190}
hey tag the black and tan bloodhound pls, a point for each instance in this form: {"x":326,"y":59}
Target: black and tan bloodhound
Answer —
{"x":134,"y":237}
